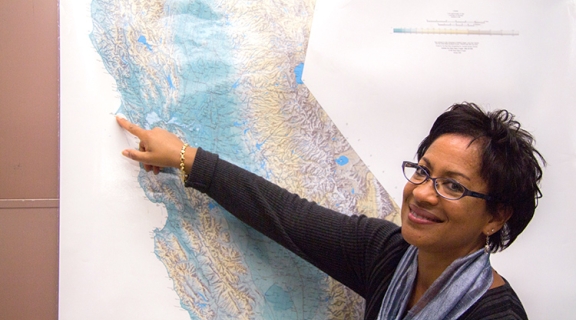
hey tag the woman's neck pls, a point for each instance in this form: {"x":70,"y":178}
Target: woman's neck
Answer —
{"x":430,"y":267}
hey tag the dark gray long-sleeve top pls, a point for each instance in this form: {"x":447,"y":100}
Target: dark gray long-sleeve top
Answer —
{"x":360,"y":252}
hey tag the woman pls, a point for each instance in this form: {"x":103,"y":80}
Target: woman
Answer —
{"x":483,"y":172}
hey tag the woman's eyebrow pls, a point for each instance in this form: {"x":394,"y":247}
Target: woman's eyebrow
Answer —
{"x":457,"y":174}
{"x":427,"y":162}
{"x":450,"y":174}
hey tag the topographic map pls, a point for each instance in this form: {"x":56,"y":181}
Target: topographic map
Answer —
{"x":226,"y":75}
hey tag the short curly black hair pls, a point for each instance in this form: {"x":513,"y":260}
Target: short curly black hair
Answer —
{"x":510,"y":163}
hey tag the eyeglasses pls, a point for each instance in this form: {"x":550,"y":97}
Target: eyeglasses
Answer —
{"x":445,"y":187}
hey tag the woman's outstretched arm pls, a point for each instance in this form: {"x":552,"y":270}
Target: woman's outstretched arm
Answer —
{"x":345,"y":247}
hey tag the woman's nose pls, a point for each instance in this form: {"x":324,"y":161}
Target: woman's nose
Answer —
{"x":426,"y":192}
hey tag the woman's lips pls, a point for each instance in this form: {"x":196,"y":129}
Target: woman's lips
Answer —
{"x":421,"y":216}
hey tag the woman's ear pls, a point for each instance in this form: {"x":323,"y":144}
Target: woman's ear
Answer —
{"x":499,"y":218}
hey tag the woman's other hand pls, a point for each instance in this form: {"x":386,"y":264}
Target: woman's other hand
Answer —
{"x":158,"y":148}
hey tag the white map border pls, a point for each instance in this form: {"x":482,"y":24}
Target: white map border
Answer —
{"x":90,"y":147}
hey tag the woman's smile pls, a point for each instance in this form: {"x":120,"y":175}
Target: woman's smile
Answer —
{"x":421,"y":216}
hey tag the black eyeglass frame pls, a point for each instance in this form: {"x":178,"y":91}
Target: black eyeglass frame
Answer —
{"x":467,"y":192}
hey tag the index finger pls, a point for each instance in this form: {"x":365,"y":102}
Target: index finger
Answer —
{"x":129,"y":126}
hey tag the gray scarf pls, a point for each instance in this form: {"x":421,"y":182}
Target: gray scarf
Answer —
{"x":457,"y":288}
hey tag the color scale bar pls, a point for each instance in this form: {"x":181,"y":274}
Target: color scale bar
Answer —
{"x":457,"y":31}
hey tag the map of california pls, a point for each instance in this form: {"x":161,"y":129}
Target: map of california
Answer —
{"x":226,"y":76}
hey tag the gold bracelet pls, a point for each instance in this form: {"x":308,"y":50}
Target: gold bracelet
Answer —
{"x":182,"y":169}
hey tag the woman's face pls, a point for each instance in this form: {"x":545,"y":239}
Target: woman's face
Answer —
{"x":452,"y":228}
